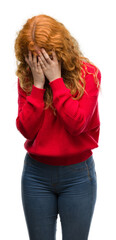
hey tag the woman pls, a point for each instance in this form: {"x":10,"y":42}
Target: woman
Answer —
{"x":58,"y":115}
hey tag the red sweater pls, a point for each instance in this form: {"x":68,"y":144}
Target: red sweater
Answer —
{"x":70,"y":136}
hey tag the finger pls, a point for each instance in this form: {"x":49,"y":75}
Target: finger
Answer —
{"x":30,"y":56}
{"x":35,"y":60}
{"x":46,"y":56}
{"x":42,"y":60}
{"x":38,"y":64}
{"x":39,"y":67}
{"x":54,"y":55}
{"x":26,"y":59}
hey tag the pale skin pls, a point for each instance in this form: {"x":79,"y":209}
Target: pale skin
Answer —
{"x":45,"y":66}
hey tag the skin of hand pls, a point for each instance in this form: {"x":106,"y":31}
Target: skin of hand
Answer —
{"x":37,"y":72}
{"x":51,"y":68}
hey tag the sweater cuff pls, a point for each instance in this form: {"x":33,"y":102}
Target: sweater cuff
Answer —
{"x":37,"y":92}
{"x":58,"y":84}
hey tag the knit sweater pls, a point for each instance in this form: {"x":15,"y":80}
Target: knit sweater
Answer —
{"x":68,"y":137}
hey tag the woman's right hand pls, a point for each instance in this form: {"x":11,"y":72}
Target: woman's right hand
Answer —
{"x":37,"y":72}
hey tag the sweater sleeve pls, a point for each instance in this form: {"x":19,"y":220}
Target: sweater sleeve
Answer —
{"x":30,"y":111}
{"x":76,"y":114}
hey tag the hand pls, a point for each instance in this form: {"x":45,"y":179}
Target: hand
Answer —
{"x":38,"y":75}
{"x":51,"y":68}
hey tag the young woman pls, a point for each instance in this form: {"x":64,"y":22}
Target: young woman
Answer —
{"x":58,"y":114}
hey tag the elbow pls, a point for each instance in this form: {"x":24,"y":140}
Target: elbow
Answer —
{"x":22,"y":130}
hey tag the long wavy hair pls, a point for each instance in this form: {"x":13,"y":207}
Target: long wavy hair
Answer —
{"x":45,"y":31}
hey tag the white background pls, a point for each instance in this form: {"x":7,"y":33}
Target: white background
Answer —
{"x":92,"y":23}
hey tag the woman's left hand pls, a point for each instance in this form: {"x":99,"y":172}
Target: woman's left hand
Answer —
{"x":51,"y":68}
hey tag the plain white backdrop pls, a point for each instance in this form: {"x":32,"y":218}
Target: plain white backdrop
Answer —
{"x":92,"y":23}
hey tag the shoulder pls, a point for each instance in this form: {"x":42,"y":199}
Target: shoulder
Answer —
{"x":92,"y":78}
{"x":90,"y":68}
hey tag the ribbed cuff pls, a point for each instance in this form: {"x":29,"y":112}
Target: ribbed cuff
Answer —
{"x":37,"y":92}
{"x":58,"y":84}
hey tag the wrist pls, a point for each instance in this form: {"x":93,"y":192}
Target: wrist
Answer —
{"x":39,"y":86}
{"x":54,"y":79}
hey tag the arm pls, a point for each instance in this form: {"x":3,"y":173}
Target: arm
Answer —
{"x":30,"y":111}
{"x":76,"y":114}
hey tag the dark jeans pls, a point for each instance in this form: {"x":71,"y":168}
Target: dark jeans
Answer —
{"x":69,"y":191}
